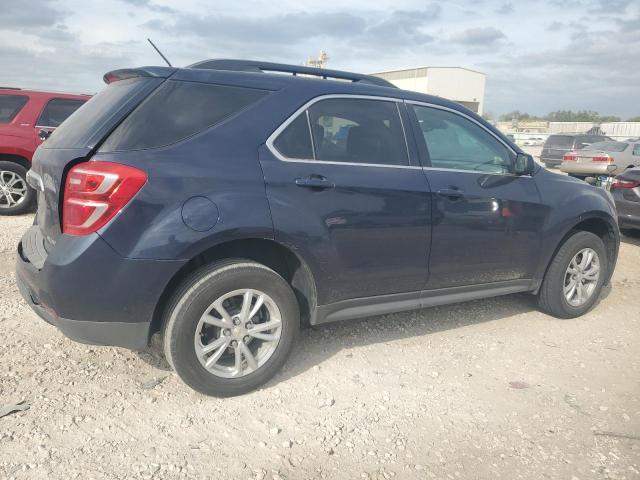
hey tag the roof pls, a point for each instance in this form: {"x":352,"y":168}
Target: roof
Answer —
{"x":269,"y":67}
{"x":23,"y":91}
{"x":427,"y":67}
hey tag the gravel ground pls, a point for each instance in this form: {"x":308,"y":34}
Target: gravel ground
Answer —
{"x":486,"y":389}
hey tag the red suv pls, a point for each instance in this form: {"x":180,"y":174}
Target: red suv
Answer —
{"x":26,"y":119}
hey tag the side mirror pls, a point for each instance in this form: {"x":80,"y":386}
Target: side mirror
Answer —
{"x":524,"y":164}
{"x":44,"y":134}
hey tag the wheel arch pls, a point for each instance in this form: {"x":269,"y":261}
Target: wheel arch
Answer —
{"x":599,"y":224}
{"x":274,"y":255}
{"x":20,"y":160}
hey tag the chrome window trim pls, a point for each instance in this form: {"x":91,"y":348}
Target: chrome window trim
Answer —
{"x":271,"y":139}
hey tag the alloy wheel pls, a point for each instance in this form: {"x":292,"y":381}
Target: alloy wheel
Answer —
{"x":238,"y":333}
{"x":13,"y":189}
{"x":581,"y":277}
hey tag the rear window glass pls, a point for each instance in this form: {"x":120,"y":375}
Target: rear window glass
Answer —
{"x":608,"y":146}
{"x":85,"y":127}
{"x":10,"y":105}
{"x":295,"y":140}
{"x":57,"y":111}
{"x":177,"y":110}
{"x":559,"y":141}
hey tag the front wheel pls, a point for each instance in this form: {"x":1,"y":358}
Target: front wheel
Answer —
{"x":16,"y":196}
{"x":575,"y":277}
{"x":230,"y":327}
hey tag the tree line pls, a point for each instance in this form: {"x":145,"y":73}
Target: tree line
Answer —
{"x":563,"y":116}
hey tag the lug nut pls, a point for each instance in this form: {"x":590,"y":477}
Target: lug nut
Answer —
{"x":249,"y":325}
{"x":234,"y":343}
{"x":246,"y":339}
{"x":226,"y":332}
{"x":236,"y":321}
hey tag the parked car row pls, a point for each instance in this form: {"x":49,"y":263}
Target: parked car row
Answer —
{"x":556,"y":146}
{"x":27,"y":117}
{"x":604,"y":162}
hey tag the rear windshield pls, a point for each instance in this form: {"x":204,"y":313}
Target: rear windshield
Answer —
{"x":87,"y":124}
{"x":560,"y":141}
{"x":10,"y":105}
{"x":178,"y":110}
{"x":608,"y":146}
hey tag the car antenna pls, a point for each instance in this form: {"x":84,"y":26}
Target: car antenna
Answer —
{"x":159,"y":52}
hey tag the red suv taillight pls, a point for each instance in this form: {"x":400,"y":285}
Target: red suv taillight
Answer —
{"x":95,"y":192}
{"x":602,"y":159}
{"x":617,"y":183}
{"x":569,"y":158}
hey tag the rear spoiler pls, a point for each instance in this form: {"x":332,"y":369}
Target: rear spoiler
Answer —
{"x":125,"y":73}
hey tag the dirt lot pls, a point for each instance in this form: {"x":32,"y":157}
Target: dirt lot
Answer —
{"x":487,"y":389}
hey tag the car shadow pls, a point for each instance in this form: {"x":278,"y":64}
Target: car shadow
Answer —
{"x":316,"y":344}
{"x":633,"y":240}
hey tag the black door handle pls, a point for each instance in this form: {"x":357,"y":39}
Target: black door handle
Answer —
{"x":452,"y":193}
{"x":314,"y":181}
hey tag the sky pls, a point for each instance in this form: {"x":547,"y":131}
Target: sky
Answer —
{"x":539,"y":56}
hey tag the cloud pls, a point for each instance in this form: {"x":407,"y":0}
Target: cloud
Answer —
{"x":297,"y":34}
{"x":505,"y":9}
{"x":479,"y":37}
{"x":31,"y":15}
{"x":590,"y":71}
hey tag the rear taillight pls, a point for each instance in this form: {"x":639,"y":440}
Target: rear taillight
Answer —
{"x":95,"y":192}
{"x":602,"y":159}
{"x":569,"y":158}
{"x":617,"y":183}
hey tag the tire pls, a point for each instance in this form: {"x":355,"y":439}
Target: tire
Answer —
{"x":10,"y":171}
{"x":551,"y":298}
{"x":185,"y":313}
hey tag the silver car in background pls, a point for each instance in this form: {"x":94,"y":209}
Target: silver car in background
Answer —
{"x":602,"y":158}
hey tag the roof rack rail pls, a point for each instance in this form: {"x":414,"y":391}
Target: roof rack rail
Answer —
{"x":10,"y":88}
{"x":266,"y":67}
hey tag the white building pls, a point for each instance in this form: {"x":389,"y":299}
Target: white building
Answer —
{"x":454,"y":83}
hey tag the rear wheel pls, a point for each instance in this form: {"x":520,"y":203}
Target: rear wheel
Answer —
{"x":16,"y":196}
{"x":575,"y":277}
{"x":230,"y":327}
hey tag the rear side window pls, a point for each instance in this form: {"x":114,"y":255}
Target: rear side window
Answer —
{"x":347,"y":130}
{"x":57,"y":111}
{"x":636,"y":149}
{"x":295,"y":140}
{"x":10,"y":105}
{"x":177,"y":110}
{"x":358,"y":131}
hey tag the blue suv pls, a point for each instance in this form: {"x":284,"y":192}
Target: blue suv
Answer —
{"x":224,"y":204}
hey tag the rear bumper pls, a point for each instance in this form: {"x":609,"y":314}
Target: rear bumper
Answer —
{"x":590,"y":168}
{"x":93,"y":295}
{"x":128,"y":335}
{"x":551,"y":162}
